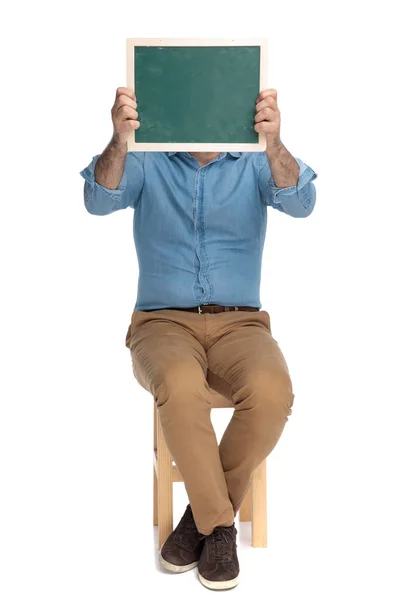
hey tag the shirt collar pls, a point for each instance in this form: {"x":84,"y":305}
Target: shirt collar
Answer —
{"x":234,"y":154}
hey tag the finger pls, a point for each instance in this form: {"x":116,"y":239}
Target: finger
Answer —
{"x":126,"y":112}
{"x":269,"y":92}
{"x":127,"y":91}
{"x":265,"y":127}
{"x":269,"y":101}
{"x":127,"y":126}
{"x":133,"y":124}
{"x":266,"y":114}
{"x":124,"y":100}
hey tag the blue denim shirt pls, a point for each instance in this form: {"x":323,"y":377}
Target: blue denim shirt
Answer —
{"x":199,"y":231}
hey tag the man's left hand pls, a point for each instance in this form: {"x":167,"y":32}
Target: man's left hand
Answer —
{"x":268,"y":116}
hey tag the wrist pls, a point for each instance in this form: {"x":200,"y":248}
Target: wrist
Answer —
{"x":274,"y":146}
{"x":119,"y":144}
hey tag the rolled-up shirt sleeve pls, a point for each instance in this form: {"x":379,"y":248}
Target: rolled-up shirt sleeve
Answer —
{"x":297,"y":200}
{"x":99,"y":200}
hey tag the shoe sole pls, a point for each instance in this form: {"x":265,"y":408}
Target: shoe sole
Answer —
{"x":219,"y":585}
{"x":176,"y":568}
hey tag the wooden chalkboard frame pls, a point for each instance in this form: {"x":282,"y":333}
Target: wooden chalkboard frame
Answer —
{"x":197,"y":147}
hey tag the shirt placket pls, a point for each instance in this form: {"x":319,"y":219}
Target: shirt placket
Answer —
{"x":202,"y":273}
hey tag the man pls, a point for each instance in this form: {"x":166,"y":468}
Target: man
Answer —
{"x":199,"y":229}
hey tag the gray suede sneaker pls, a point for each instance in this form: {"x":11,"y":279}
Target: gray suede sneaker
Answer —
{"x":182,"y":549}
{"x":219,"y":564}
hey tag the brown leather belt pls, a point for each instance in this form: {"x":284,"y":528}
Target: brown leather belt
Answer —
{"x":209,"y":308}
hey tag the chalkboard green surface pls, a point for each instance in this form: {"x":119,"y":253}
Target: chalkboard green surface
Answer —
{"x":197,"y":94}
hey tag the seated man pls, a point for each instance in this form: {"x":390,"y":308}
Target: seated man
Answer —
{"x":199,"y":228}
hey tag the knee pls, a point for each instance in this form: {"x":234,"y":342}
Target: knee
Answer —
{"x":180,"y":386}
{"x":270,"y":392}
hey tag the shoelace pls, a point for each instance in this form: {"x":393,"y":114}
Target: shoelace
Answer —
{"x":220,"y":546}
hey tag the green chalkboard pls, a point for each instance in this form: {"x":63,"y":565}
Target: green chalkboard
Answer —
{"x":196,"y":94}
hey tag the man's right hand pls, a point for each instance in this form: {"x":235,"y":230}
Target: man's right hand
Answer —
{"x":109,"y":168}
{"x":124,"y":115}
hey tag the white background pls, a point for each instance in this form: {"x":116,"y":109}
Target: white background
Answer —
{"x":76,"y":428}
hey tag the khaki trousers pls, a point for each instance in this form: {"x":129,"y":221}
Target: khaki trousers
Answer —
{"x":177,"y":356}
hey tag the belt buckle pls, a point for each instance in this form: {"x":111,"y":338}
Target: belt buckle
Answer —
{"x":199,"y":309}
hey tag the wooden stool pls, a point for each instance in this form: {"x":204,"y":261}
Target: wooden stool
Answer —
{"x":253,"y":508}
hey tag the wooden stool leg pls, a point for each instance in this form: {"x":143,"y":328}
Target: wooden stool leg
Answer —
{"x":259,"y":507}
{"x":155,"y":482}
{"x":164,"y":468}
{"x":245,"y":508}
{"x":155,"y":498}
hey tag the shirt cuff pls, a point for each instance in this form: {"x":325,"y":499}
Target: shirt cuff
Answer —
{"x":88,"y":175}
{"x":306,"y":174}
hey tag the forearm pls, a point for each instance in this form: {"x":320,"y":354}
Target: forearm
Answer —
{"x":284,"y":168}
{"x":110,"y":165}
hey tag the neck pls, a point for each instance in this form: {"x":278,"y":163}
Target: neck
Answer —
{"x":205,"y":157}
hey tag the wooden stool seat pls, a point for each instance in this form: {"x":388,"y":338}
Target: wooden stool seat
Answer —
{"x":253,"y":508}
